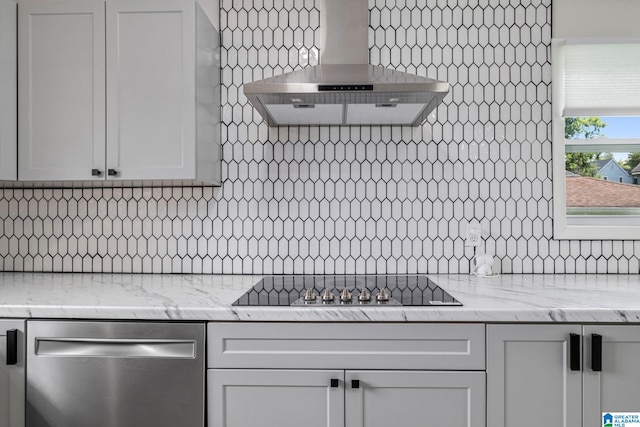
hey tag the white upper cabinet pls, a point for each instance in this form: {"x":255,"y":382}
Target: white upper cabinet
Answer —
{"x":108,"y":91}
{"x":8,"y":91}
{"x":61,"y":87}
{"x":151,"y":88}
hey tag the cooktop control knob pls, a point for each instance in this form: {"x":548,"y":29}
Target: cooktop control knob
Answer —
{"x":309,"y":295}
{"x":365,"y":296}
{"x":345,"y":295}
{"x":382,"y":296}
{"x":327,"y":296}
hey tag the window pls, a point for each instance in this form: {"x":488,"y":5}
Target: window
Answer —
{"x":597,"y":199}
{"x":596,"y":76}
{"x":589,"y":162}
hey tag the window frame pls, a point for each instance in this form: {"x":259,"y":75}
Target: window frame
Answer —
{"x":593,"y":227}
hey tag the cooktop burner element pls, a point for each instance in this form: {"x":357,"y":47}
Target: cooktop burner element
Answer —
{"x":346,"y":290}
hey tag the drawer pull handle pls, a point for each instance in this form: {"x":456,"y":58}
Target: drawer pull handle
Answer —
{"x":335,"y":382}
{"x":596,"y":353}
{"x":112,"y":172}
{"x":96,"y":172}
{"x":574,"y":352}
{"x":355,"y":383}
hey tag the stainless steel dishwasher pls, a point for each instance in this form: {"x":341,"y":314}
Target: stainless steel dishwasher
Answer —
{"x":108,"y":374}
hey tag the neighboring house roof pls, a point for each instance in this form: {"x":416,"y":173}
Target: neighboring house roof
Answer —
{"x":636,"y":170}
{"x":600,"y":164}
{"x":587,"y":192}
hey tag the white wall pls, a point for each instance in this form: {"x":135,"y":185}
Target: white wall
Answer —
{"x":345,"y":200}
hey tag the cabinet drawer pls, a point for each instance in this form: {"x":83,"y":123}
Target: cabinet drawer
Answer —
{"x":346,"y":346}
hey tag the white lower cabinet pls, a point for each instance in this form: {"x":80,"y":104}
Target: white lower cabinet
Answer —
{"x":408,"y":375}
{"x":12,"y":379}
{"x":614,"y":386}
{"x":529,"y":377}
{"x":325,"y":398}
{"x":291,"y":375}
{"x":283,"y":398}
{"x":414,"y":398}
{"x":566,"y":375}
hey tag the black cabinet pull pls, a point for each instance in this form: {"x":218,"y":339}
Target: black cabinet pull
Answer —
{"x":355,"y":383}
{"x":596,"y":353}
{"x":112,"y":172}
{"x":574,"y":352}
{"x":96,"y":172}
{"x":335,"y":382}
{"x":12,"y":347}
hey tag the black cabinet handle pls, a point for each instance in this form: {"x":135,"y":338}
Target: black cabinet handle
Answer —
{"x":596,"y":353}
{"x":574,"y":352}
{"x":335,"y":382}
{"x":112,"y":172}
{"x":12,"y":347}
{"x":96,"y":172}
{"x":355,"y":383}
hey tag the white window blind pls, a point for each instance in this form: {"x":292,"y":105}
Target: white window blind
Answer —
{"x":600,"y":79}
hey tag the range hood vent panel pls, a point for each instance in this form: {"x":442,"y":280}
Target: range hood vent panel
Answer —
{"x":347,"y":93}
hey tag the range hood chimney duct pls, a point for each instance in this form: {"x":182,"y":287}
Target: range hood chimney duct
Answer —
{"x":345,"y":89}
{"x":345,"y":32}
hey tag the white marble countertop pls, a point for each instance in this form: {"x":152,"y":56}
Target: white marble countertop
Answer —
{"x":507,"y":298}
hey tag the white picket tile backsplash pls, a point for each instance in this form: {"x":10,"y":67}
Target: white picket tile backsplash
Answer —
{"x":364,"y":199}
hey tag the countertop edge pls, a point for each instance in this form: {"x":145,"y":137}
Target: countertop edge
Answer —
{"x":506,"y":299}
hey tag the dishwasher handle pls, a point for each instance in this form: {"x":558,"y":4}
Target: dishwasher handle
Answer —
{"x":107,"y":347}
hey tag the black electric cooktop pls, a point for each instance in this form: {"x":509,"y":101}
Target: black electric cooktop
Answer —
{"x":346,"y":290}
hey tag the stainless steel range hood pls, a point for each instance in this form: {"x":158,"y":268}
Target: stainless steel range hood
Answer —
{"x":345,"y":89}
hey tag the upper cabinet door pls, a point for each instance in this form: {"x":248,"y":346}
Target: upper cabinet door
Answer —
{"x":62,"y":93}
{"x":151,"y":89}
{"x":8,"y":91}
